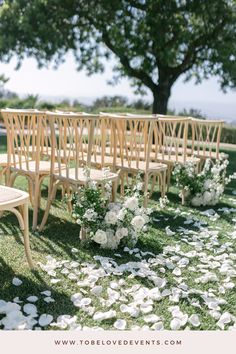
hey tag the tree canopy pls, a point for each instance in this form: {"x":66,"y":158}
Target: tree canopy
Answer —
{"x":155,"y":41}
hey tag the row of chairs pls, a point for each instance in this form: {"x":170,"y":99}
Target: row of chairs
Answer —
{"x":58,"y":145}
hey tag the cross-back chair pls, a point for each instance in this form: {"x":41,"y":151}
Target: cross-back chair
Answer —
{"x":133,"y":141}
{"x":72,"y":144}
{"x":170,"y":142}
{"x":205,"y":138}
{"x":28,"y":147}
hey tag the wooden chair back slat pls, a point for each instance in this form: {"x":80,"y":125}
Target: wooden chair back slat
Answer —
{"x":205,"y":137}
{"x":72,"y":142}
{"x":27,"y":132}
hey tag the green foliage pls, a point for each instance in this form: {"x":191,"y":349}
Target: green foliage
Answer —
{"x":155,"y":41}
{"x":228,"y":134}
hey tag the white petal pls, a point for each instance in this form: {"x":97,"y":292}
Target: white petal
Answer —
{"x":151,"y":318}
{"x":158,"y":326}
{"x":194,"y":320}
{"x":85,"y":301}
{"x":30,"y":309}
{"x":46,"y":293}
{"x":48,"y":299}
{"x":120,"y":324}
{"x":100,"y":316}
{"x":96,"y":290}
{"x":77,"y":296}
{"x":45,"y":320}
{"x":177,"y":271}
{"x":32,"y":298}
{"x":175,"y":324}
{"x":16,"y":281}
{"x":145,"y":308}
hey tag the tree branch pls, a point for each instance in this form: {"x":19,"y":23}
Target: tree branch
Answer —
{"x":137,"y":73}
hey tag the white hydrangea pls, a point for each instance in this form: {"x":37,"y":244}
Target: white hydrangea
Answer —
{"x":90,"y":215}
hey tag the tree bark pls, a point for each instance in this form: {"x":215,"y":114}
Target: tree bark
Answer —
{"x":161,"y":95}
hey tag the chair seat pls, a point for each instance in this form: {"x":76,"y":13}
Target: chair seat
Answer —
{"x":174,"y":159}
{"x":140,"y":166}
{"x":8,"y":195}
{"x":3,"y":159}
{"x":30,"y":167}
{"x":95,"y":175}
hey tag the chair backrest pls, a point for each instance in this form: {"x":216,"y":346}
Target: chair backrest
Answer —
{"x":72,"y":139}
{"x":205,"y":137}
{"x":133,"y":139}
{"x":28,"y":137}
{"x":170,"y":138}
{"x":103,"y":142}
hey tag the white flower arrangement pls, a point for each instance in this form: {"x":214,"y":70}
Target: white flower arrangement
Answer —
{"x":205,"y":188}
{"x":110,"y":224}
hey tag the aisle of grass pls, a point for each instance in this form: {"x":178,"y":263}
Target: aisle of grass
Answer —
{"x":62,"y":234}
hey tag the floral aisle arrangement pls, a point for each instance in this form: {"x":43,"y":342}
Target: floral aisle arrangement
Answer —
{"x":110,"y":224}
{"x":205,"y":188}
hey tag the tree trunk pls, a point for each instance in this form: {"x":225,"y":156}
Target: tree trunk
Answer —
{"x":161,"y":96}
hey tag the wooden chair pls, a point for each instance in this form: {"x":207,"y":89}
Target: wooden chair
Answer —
{"x":28,"y":149}
{"x":170,"y":143}
{"x":16,"y":201}
{"x":73,"y":146}
{"x":205,"y":138}
{"x":133,"y":141}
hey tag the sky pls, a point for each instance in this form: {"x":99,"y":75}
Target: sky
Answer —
{"x":66,"y":82}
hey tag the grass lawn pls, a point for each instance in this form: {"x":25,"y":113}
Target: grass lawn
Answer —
{"x":211,"y":252}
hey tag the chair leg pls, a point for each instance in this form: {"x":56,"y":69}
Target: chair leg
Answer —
{"x":163,"y":190}
{"x":51,"y":196}
{"x":12,"y":178}
{"x":145,"y":199}
{"x":40,"y":190}
{"x":69,"y":204}
{"x":25,"y":215}
{"x":154,"y":181}
{"x":122,"y":185}
{"x":114,"y":190}
{"x":30,"y":189}
{"x":36,"y":203}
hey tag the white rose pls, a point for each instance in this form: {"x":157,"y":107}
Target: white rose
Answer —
{"x":131,"y":203}
{"x":111,"y":218}
{"x":100,"y":237}
{"x":121,"y":232}
{"x":138,"y":222}
{"x":207,"y":197}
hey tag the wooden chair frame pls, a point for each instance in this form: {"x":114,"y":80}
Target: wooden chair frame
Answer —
{"x":170,"y":143}
{"x":19,"y":207}
{"x":76,"y":139}
{"x":205,"y":138}
{"x":133,"y":141}
{"x":28,"y":143}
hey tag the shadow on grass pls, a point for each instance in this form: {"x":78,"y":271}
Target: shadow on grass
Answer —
{"x":33,"y":284}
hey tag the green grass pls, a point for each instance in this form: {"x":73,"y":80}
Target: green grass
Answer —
{"x":61,"y":234}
